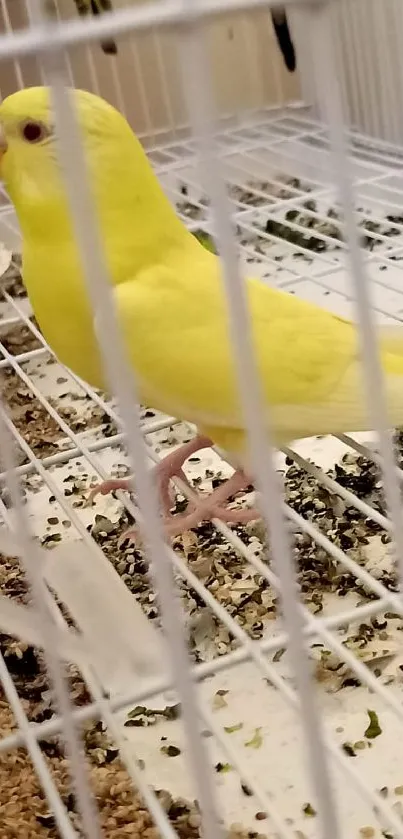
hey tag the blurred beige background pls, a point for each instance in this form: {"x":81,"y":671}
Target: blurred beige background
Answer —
{"x":247,"y":66}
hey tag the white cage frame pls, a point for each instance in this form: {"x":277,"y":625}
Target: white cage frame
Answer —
{"x":46,"y":40}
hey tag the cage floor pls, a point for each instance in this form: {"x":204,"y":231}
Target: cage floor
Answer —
{"x":278,"y":171}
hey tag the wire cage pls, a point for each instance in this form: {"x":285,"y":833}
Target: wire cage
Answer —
{"x":246,"y":680}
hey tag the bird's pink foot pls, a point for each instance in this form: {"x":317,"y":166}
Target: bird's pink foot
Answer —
{"x":198,"y":511}
{"x":206,"y":509}
{"x":171,"y":467}
{"x":111,"y":485}
{"x":168,"y":468}
{"x":214,"y":507}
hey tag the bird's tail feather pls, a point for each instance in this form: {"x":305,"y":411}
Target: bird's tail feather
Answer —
{"x":345,"y":409}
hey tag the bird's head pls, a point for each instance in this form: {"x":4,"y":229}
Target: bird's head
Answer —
{"x":124,"y":187}
{"x":29,"y":165}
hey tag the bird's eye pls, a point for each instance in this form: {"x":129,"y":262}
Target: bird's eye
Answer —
{"x":33,"y":132}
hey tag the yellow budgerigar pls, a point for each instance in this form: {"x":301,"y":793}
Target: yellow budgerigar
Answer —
{"x":168,"y":293}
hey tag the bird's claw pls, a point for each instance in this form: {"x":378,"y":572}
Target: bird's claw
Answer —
{"x":206,"y":511}
{"x":166,"y":491}
{"x":176,"y":524}
{"x":105,"y":487}
{"x":199,"y":509}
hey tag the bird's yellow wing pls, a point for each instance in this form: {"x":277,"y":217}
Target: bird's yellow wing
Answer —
{"x":178,"y":343}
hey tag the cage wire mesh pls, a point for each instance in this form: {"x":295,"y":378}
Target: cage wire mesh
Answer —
{"x":273,"y":705}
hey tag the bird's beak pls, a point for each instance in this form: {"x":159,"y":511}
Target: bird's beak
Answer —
{"x":3,"y":142}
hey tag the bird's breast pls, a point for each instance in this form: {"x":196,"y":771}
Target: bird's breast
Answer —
{"x":61,"y":307}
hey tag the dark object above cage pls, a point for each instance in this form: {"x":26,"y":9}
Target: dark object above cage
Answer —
{"x":97,"y":7}
{"x":283,"y":35}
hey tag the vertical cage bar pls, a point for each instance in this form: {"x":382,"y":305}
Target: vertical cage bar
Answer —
{"x":33,"y":571}
{"x":9,"y":29}
{"x":138,"y":68}
{"x":322,"y":47}
{"x":117,"y":372}
{"x":197,"y":87}
{"x":59,"y":811}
